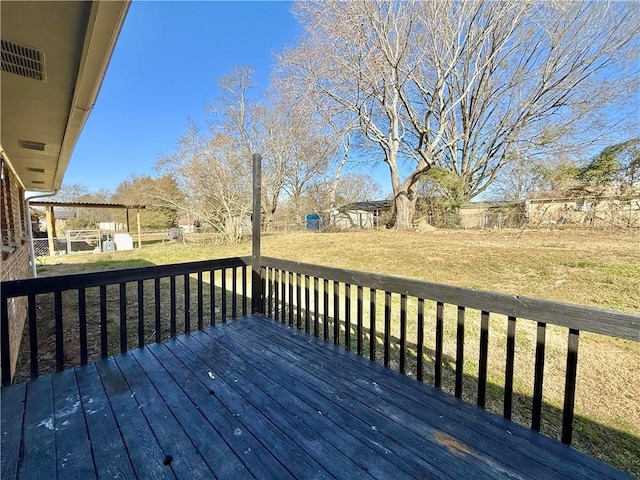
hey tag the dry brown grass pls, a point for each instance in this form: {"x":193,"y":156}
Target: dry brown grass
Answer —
{"x":589,"y":268}
{"x":594,"y":268}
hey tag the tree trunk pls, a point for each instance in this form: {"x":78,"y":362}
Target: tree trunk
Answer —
{"x":405,"y":209}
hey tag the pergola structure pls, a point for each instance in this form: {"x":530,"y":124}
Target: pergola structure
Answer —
{"x":51,"y":221}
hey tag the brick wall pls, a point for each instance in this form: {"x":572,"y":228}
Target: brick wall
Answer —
{"x":15,"y":255}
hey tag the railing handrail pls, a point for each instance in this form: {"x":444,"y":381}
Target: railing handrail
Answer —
{"x":28,"y":286}
{"x":578,"y":317}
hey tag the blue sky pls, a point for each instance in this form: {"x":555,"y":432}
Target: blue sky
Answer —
{"x":164,"y":70}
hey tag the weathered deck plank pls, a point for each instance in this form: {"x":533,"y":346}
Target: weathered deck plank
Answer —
{"x":12,"y":411}
{"x":378,"y":420}
{"x":111,"y":459}
{"x":257,"y":399}
{"x":306,"y":443}
{"x":501,"y":439}
{"x":266,"y":381}
{"x":185,"y":460}
{"x":38,"y":455}
{"x":444,"y":411}
{"x":272,"y":435}
{"x":146,"y":455}
{"x":218,"y":455}
{"x":260,"y":461}
{"x":73,"y":452}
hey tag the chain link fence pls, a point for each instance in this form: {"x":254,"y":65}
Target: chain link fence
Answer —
{"x":75,"y":241}
{"x":88,"y":241}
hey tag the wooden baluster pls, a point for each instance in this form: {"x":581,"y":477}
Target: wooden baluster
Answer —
{"x":403,"y":331}
{"x":437,"y":375}
{"x":482,"y":362}
{"x":156,"y":300}
{"x":347,"y":316}
{"x":536,"y":410}
{"x":336,"y":313}
{"x":387,"y":327}
{"x":359,"y":314}
{"x":172,"y":296}
{"x":508,"y":382}
{"x":33,"y":334}
{"x":460,"y":352}
{"x":420,"y":341}
{"x":104,"y":349}
{"x":570,"y":386}
{"x":123,"y":318}
{"x":200,"y":302}
{"x":372,"y":324}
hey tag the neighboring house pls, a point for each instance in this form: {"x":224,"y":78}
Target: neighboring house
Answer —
{"x":498,"y":214}
{"x":54,"y":57}
{"x":188,"y":226}
{"x":61,"y":217}
{"x":368,"y":214}
{"x":582,"y":206}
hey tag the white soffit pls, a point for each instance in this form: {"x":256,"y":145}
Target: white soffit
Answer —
{"x":54,"y":58}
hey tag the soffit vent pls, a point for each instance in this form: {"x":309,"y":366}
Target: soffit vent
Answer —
{"x":22,"y":60}
{"x":31,"y":145}
{"x":35,"y":170}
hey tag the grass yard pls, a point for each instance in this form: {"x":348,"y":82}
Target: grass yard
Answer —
{"x":594,"y":268}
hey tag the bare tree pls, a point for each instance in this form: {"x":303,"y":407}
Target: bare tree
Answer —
{"x":357,"y":187}
{"x":212,"y":174}
{"x":467,"y":86}
{"x":213,"y":169}
{"x":297,"y":152}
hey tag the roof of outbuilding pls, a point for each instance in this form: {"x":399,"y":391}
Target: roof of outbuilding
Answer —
{"x":42,"y":203}
{"x":368,"y":205}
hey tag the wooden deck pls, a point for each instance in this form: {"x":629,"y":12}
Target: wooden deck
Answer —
{"x":256,"y":399}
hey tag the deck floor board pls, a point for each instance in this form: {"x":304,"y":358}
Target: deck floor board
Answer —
{"x":259,"y":460}
{"x":218,"y":455}
{"x":451,"y":418}
{"x":111,"y":459}
{"x":310,"y":411}
{"x":369,"y":377}
{"x":12,"y":413}
{"x":380,"y":417}
{"x":73,"y":452}
{"x":38,"y":453}
{"x":257,"y":399}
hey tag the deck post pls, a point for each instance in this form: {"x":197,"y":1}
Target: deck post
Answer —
{"x":256,"y":280}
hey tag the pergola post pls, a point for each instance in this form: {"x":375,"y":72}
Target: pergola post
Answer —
{"x":51,"y":229}
{"x":139,"y":229}
{"x":256,"y":279}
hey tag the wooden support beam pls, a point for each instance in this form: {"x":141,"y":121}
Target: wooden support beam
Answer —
{"x":139,"y":229}
{"x":51,"y":229}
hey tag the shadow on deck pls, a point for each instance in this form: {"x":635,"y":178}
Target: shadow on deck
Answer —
{"x":254,"y":398}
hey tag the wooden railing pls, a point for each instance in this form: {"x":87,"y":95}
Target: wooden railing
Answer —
{"x":365,"y":312}
{"x":118,"y":301}
{"x":340,"y":305}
